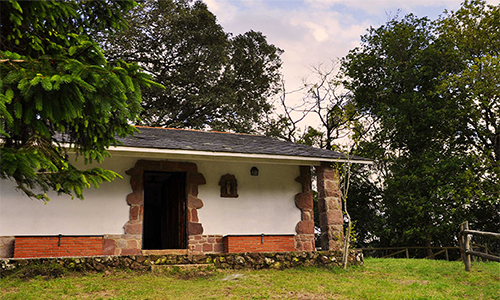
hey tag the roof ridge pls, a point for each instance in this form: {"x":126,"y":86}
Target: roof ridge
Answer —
{"x":197,"y":130}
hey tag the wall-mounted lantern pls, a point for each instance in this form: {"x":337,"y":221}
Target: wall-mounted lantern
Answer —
{"x":254,"y":171}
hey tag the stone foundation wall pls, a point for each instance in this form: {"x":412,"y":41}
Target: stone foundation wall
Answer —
{"x":270,"y":260}
{"x":199,"y":244}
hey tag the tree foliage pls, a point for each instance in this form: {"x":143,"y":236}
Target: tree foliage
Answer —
{"x":212,"y":79}
{"x":57,"y":89}
{"x":431,"y":88}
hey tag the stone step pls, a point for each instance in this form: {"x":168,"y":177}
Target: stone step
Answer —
{"x":165,"y":252}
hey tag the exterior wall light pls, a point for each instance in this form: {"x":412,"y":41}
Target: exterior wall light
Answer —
{"x":254,"y":171}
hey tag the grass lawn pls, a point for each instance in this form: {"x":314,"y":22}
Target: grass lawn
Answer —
{"x":377,"y":279}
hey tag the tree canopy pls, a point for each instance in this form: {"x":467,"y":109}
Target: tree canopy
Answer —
{"x":420,"y":97}
{"x":212,"y":79}
{"x":58,"y":93}
{"x":431,"y":89}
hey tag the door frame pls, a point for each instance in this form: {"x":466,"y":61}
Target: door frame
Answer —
{"x":134,"y":226}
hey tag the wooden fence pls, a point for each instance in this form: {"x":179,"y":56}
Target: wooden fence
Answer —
{"x":406,"y":250}
{"x":466,"y":248}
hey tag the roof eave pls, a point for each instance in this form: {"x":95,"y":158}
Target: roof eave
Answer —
{"x":227,"y":156}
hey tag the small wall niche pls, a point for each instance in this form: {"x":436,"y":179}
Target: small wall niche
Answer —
{"x":228,"y":186}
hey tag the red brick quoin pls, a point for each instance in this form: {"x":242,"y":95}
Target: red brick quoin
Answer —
{"x":55,"y":246}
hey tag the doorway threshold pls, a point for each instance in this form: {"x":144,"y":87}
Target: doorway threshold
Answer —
{"x":165,"y":252}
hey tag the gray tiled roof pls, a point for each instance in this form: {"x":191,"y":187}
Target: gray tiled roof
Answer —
{"x":163,"y":138}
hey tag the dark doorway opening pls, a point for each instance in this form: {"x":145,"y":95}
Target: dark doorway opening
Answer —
{"x":164,"y":219}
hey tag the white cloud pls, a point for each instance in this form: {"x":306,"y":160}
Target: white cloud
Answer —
{"x":318,"y":31}
{"x":314,"y":32}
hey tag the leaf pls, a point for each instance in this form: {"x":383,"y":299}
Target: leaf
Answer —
{"x":16,"y":5}
{"x":72,"y":50}
{"x":37,"y":79}
{"x":18,"y":110}
{"x":46,"y":84}
{"x":16,"y":19}
{"x":9,"y":95}
{"x":39,"y":101}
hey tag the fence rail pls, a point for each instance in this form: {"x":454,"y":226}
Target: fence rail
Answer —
{"x":465,"y":244}
{"x":400,"y":250}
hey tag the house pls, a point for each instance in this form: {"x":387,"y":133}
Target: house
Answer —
{"x":185,"y":192}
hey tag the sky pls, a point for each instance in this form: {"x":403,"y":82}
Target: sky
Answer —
{"x":316,"y":32}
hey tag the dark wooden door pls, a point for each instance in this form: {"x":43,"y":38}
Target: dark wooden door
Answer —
{"x":164,"y":219}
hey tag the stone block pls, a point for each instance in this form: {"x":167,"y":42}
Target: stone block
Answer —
{"x":331,"y":188}
{"x":332,"y":203}
{"x":325,"y":241}
{"x":179,"y":166}
{"x":121,"y":243}
{"x":133,"y":227}
{"x":136,"y":183}
{"x":133,"y":244}
{"x":131,"y":252}
{"x":305,"y":227}
{"x":194,"y":202}
{"x":208,"y":247}
{"x":308,"y":246}
{"x":326,"y":171}
{"x":150,"y":165}
{"x":7,"y":246}
{"x":304,"y":201}
{"x":328,"y":188}
{"x":108,"y":247}
{"x":307,"y":215}
{"x":304,"y":178}
{"x":192,"y":215}
{"x":196,"y":178}
{"x":134,"y":172}
{"x":335,"y":217}
{"x":219,"y":248}
{"x":134,"y":212}
{"x":192,"y":189}
{"x":195,"y":228}
{"x":135,"y":198}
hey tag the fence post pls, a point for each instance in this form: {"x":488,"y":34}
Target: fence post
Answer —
{"x":407,"y":254}
{"x":466,"y":245}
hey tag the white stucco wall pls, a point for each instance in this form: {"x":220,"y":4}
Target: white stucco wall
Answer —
{"x":103,"y":210}
{"x":265,"y":203}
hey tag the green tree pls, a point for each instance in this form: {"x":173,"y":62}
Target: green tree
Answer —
{"x":212,"y":79}
{"x":433,"y":136}
{"x":57,"y":91}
